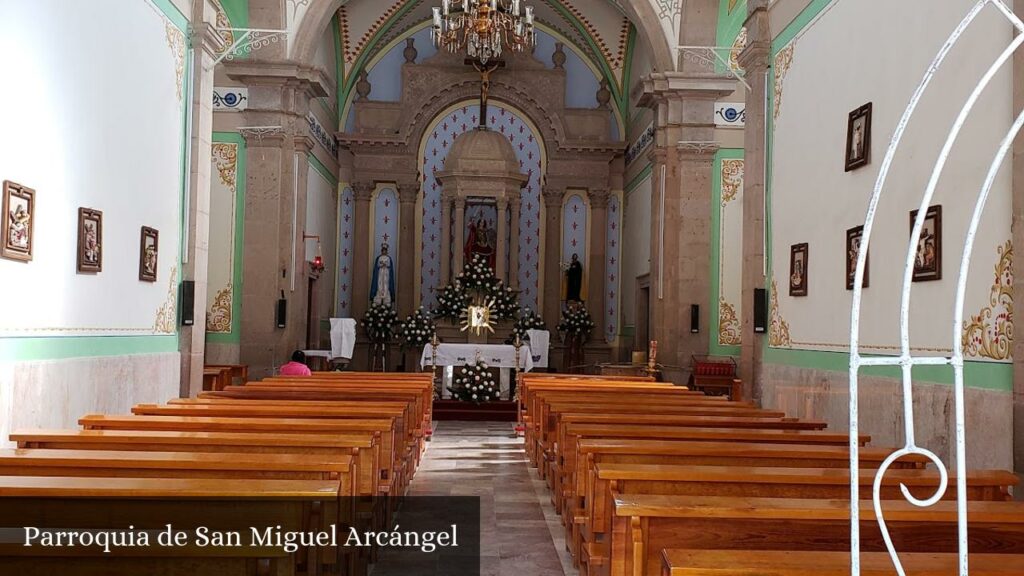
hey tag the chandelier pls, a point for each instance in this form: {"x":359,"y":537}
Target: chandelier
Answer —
{"x":483,"y":28}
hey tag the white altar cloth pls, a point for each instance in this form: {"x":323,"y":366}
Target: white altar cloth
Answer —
{"x":495,"y":355}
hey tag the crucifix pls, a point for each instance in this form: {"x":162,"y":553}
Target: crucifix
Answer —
{"x":485,"y":71}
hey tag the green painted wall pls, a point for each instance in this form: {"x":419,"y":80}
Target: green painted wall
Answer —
{"x":714,"y":348}
{"x":982,"y":375}
{"x":237,"y":11}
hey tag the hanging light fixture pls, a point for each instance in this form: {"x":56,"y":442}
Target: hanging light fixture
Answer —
{"x":484,"y":29}
{"x":317,"y":264}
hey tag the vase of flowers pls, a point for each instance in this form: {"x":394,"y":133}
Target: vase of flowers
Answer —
{"x":416,"y":332}
{"x":379,"y":324}
{"x":475,"y":383}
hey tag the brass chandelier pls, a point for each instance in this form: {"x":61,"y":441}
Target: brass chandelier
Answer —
{"x":484,"y":28}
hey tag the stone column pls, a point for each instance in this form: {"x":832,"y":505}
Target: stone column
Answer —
{"x":754,"y":60}
{"x":363,"y":192}
{"x":515,"y":206}
{"x":597,"y":261}
{"x":446,"y":239}
{"x":681,"y":209}
{"x":552,"y":285}
{"x":457,"y":240}
{"x":407,"y":192}
{"x":192,"y":339}
{"x":501,"y":262}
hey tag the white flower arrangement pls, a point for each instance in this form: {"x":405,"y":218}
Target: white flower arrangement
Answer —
{"x":475,"y":383}
{"x":528,"y":320}
{"x":379,"y":323}
{"x":576,"y":322}
{"x":417,"y":330}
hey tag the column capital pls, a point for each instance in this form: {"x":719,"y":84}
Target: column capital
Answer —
{"x":363,"y":190}
{"x":408,"y":191}
{"x":660,"y":88}
{"x":553,"y":195}
{"x":598,"y":198}
{"x":503,"y":203}
{"x":205,"y":36}
{"x":303,"y":144}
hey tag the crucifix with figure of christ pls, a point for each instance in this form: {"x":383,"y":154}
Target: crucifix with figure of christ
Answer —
{"x":485,"y":71}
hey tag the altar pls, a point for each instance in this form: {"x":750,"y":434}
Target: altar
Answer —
{"x":501,"y":356}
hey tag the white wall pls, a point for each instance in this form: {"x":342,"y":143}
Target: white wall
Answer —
{"x":636,"y":246}
{"x":877,"y":51}
{"x":322,"y":220}
{"x":92,"y":116}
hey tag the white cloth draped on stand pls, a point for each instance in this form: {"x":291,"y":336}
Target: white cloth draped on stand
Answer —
{"x":343,"y":337}
{"x":540,"y":343}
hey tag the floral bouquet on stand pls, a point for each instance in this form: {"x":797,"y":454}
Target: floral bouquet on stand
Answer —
{"x":576,"y":324}
{"x":475,"y":383}
{"x":379,"y":323}
{"x":478,"y":276}
{"x":506,"y":303}
{"x":416,"y":331}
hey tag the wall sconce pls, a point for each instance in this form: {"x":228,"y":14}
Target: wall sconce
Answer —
{"x":318,"y":261}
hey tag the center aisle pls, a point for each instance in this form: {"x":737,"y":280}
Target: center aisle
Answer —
{"x":520,"y":533}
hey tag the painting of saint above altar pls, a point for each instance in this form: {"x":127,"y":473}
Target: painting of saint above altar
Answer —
{"x":482,"y":233}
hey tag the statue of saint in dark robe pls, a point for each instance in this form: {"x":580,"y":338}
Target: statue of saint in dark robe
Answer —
{"x":574,"y":280}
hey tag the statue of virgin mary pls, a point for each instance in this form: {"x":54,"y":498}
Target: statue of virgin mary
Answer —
{"x":382,"y":288}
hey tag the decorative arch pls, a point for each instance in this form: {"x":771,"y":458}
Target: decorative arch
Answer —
{"x":641,"y":12}
{"x":436,"y":137}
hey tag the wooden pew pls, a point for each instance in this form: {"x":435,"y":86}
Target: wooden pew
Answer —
{"x":385,"y":426}
{"x":364,"y":446}
{"x":149,"y":504}
{"x":239,"y":372}
{"x":216,"y":378}
{"x":610,"y":481}
{"x":582,"y":488}
{"x":679,"y":562}
{"x":409,"y":441}
{"x":644,"y":525}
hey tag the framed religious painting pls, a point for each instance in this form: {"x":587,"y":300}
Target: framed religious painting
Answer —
{"x":18,"y":226}
{"x":854,"y":236}
{"x":858,"y":138}
{"x":90,"y":241}
{"x":928,"y":259}
{"x":798,"y":269}
{"x":149,"y":250}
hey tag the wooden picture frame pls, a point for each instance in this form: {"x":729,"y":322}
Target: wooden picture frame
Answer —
{"x":18,"y":224}
{"x":858,"y":138}
{"x":798,"y":256}
{"x":149,"y":254}
{"x":90,"y":241}
{"x":854,"y":237}
{"x":928,"y":259}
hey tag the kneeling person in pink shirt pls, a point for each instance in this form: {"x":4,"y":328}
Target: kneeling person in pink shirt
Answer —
{"x":297,"y":367}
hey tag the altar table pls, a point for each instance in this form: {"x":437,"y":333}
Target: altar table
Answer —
{"x":501,"y":356}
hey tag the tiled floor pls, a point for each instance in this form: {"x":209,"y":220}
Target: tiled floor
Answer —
{"x":521,"y":534}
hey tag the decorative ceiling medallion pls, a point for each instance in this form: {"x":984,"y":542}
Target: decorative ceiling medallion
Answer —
{"x":989,"y":334}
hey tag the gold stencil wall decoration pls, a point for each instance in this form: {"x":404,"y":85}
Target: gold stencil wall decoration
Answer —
{"x":783,"y":61}
{"x":225,"y":157}
{"x":218,"y":321}
{"x":732,"y":180}
{"x":167,"y":315}
{"x":176,"y":42}
{"x":728,"y":324}
{"x":989,"y":334}
{"x":778,"y":329}
{"x":224,"y":26}
{"x":737,"y":47}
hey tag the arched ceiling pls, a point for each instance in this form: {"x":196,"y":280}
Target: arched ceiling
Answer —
{"x":599,"y":29}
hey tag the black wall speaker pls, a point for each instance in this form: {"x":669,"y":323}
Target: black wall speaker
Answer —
{"x":760,"y":310}
{"x":694,"y":318}
{"x":282,"y":311}
{"x":188,"y":303}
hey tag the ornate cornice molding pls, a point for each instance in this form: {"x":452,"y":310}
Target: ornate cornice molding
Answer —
{"x":312,"y":81}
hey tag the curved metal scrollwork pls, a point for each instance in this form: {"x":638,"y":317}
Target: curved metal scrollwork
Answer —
{"x":906,"y":361}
